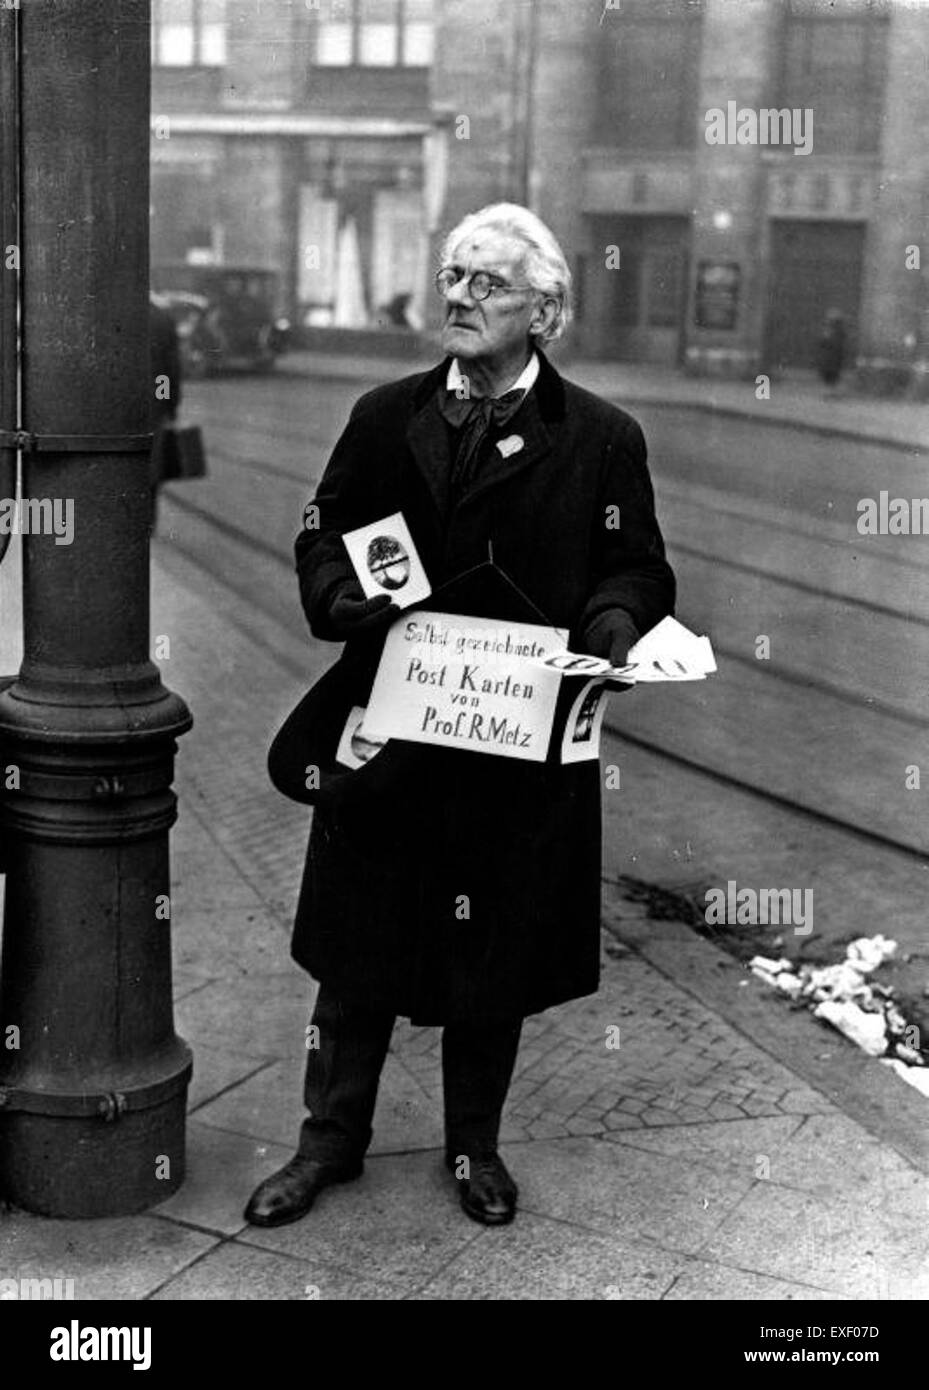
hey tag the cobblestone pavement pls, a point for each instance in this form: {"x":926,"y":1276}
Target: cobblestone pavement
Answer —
{"x":644,"y":1155}
{"x":687,"y":1162}
{"x":675,"y":1064}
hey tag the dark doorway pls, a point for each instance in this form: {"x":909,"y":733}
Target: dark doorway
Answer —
{"x":635,"y":311}
{"x":814,"y":266}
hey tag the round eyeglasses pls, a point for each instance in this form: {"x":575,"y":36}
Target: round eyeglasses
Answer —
{"x":480,"y":285}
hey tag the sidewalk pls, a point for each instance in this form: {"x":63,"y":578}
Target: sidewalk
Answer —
{"x":689,"y":1163}
{"x":801,"y":402}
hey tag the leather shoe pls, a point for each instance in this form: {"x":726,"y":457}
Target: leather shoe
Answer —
{"x":488,"y":1194}
{"x":290,"y":1192}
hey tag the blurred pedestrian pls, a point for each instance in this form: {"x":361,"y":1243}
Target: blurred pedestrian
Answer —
{"x":832,"y":346}
{"x":491,"y":448}
{"x":165,"y":378}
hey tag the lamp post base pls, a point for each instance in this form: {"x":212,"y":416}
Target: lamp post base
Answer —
{"x":63,"y":1165}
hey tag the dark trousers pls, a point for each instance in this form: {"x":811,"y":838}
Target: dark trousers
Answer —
{"x":343,"y":1072}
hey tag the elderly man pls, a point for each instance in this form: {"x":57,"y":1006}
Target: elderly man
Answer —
{"x":379,"y":923}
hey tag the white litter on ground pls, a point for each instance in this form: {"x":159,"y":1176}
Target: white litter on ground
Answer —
{"x":843,"y":996}
{"x":915,"y":1076}
{"x":867,"y":1030}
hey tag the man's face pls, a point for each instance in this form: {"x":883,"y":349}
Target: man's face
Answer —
{"x":497,"y":327}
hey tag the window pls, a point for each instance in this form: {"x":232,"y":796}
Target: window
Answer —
{"x":418,"y":33}
{"x":374,"y":33}
{"x":647,"y":82}
{"x":186,"y":33}
{"x":378,"y":33}
{"x":334,"y":37}
{"x":834,"y":64}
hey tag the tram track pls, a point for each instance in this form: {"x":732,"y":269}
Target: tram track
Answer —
{"x":308,"y":480}
{"x":204,"y":557}
{"x":794,"y":675}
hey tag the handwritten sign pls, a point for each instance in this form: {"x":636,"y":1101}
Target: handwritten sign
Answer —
{"x":468,"y":683}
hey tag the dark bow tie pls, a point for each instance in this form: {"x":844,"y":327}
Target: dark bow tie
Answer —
{"x":490,"y":410}
{"x":475,"y":416}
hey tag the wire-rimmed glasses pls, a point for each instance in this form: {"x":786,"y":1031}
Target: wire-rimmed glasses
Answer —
{"x":479,"y":285}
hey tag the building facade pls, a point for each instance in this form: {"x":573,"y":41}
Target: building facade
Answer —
{"x":299,"y":137}
{"x":722,"y":173}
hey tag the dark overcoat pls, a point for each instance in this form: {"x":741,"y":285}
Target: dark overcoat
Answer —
{"x":474,"y":892}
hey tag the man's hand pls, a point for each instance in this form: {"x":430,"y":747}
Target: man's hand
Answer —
{"x":351,"y":613}
{"x":611,"y":635}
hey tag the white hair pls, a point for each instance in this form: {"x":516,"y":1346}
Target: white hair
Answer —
{"x":545,"y":265}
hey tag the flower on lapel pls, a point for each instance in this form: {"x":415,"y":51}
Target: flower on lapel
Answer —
{"x":511,"y":445}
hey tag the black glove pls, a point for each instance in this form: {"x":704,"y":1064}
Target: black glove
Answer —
{"x":350,"y":613}
{"x":611,"y":635}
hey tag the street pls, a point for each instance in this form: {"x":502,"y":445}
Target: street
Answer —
{"x":684,"y":1134}
{"x":789,"y":771}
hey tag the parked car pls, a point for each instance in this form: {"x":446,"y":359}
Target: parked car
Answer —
{"x":225,"y":315}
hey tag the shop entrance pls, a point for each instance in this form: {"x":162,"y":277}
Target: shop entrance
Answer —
{"x":636,"y":312}
{"x":814,"y":266}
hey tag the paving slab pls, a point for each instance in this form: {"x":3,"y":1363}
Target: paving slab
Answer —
{"x":259,"y":1015}
{"x":407,"y":1117}
{"x":734,"y":1146}
{"x":612,"y":1190}
{"x":828,"y":1152}
{"x":216,"y":1069}
{"x":267,"y":1106}
{"x":539,"y":1259}
{"x":242,"y":940}
{"x":820,"y":1155}
{"x":846,"y":1246}
{"x":240,"y":1272}
{"x":125,"y":1257}
{"x":398,"y":1225}
{"x":203,"y":876}
{"x":223,"y":1170}
{"x":702,"y":1279}
{"x":270,"y":1105}
{"x":187,"y":980}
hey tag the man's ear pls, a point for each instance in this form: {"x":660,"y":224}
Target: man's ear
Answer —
{"x":544,"y":315}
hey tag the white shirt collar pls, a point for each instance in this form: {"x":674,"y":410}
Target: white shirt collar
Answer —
{"x":524,"y":382}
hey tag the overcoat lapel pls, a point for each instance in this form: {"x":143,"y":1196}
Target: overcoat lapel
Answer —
{"x":537,"y":442}
{"x":427,"y":438}
{"x":427,"y":435}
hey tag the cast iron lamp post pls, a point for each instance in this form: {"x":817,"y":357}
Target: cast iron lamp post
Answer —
{"x":93,"y":1079}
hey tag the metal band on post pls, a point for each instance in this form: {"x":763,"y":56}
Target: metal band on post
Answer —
{"x":75,"y":443}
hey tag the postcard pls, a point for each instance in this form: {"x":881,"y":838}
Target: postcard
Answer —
{"x":355,"y":747}
{"x":386,"y":561}
{"x":581,"y":738}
